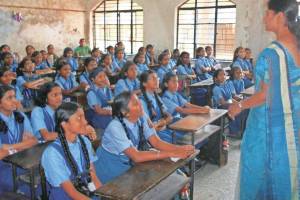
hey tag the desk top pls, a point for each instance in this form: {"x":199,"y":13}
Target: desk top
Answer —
{"x":140,"y":179}
{"x":193,"y":123}
{"x":249,"y":91}
{"x":207,"y":82}
{"x":28,"y":158}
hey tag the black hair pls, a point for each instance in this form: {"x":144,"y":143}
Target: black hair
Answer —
{"x":28,"y":46}
{"x":95,"y":49}
{"x":216,"y":73}
{"x":141,"y":49}
{"x":95,"y":72}
{"x":35,"y":53}
{"x":232,"y":71}
{"x":125,"y":69}
{"x":88,"y":60}
{"x":161,"y":57}
{"x":290,"y":9}
{"x":103,"y":58}
{"x":66,"y":50}
{"x":174,"y":52}
{"x":18,"y":116}
{"x":208,"y":47}
{"x":3,"y":55}
{"x":149,"y":46}
{"x":42,"y":94}
{"x":179,"y":61}
{"x":236,"y":53}
{"x":63,"y":114}
{"x":120,"y":106}
{"x":109,"y":47}
{"x":117,"y":50}
{"x":143,"y":79}
{"x":166,"y":79}
{"x":135,"y":59}
{"x":3,"y":46}
{"x":60,"y":64}
{"x":49,"y":46}
{"x":198,"y":50}
{"x":21,"y":66}
{"x":3,"y":70}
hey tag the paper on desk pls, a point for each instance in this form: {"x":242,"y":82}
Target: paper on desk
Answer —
{"x":174,"y":159}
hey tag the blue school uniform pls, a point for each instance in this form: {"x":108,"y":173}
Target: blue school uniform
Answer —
{"x":201,"y":63}
{"x":112,"y":161}
{"x":126,"y":85}
{"x":210,"y":61}
{"x":238,"y":85}
{"x":57,"y":169}
{"x":98,"y":96}
{"x":84,"y":78}
{"x":173,"y":62}
{"x":14,"y":135}
{"x":19,"y":95}
{"x":161,"y":72}
{"x":28,"y":94}
{"x":141,"y":68}
{"x":172,"y":100}
{"x":73,"y":63}
{"x":13,"y":67}
{"x":185,"y":70}
{"x":42,"y":118}
{"x":249,"y":65}
{"x":66,"y":84}
{"x":244,"y":66}
{"x":42,"y":65}
{"x":165,"y":134}
{"x":119,"y":63}
{"x":147,"y":58}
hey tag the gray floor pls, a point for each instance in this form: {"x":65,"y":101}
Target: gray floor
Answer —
{"x":214,"y":183}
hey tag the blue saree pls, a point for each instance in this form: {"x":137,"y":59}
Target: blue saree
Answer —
{"x":269,"y":166}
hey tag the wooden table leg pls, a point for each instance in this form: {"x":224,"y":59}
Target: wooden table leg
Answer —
{"x":43,"y":184}
{"x":32,"y":192}
{"x":14,"y":175}
{"x":192,"y":171}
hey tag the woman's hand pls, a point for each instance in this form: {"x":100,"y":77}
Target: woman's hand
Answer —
{"x":91,"y":133}
{"x":233,"y":110}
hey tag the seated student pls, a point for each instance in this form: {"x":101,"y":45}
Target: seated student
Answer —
{"x":66,"y":80}
{"x":96,"y":54}
{"x":49,"y":98}
{"x":68,"y":56}
{"x":68,"y":161}
{"x":175,"y":103}
{"x":150,"y":56}
{"x":142,"y":50}
{"x":119,"y":60}
{"x":89,"y":65}
{"x":223,"y":95}
{"x":154,"y":107}
{"x":111,"y":71}
{"x":239,"y":61}
{"x":15,"y":135}
{"x":211,"y":61}
{"x":249,"y":60}
{"x":45,"y":58}
{"x":129,"y":81}
{"x":29,"y":51}
{"x":163,"y":60}
{"x":28,"y":82}
{"x":174,"y":57}
{"x":237,"y":80}
{"x":83,"y":49}
{"x":6,"y":78}
{"x":111,"y":51}
{"x":125,"y":140}
{"x":38,"y":61}
{"x":120,"y":45}
{"x":139,"y":60}
{"x":184,"y":67}
{"x":52,"y":57}
{"x":202,"y":69}
{"x":98,"y":97}
{"x":8,"y":61}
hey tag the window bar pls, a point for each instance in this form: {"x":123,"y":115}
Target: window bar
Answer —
{"x":118,"y":22}
{"x":131,"y":29}
{"x":195,"y":24}
{"x":104,"y":17}
{"x":94,"y":30}
{"x":177,"y":27}
{"x":216,"y":29}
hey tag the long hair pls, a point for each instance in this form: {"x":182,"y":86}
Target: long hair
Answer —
{"x":179,"y":61}
{"x":125,"y":69}
{"x":166,"y":79}
{"x":236,"y":53}
{"x":42,"y":94}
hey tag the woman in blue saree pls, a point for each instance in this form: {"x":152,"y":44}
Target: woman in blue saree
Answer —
{"x":270,"y":157}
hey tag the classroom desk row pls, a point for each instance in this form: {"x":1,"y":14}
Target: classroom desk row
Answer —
{"x":149,"y":180}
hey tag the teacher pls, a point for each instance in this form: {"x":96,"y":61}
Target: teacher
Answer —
{"x":270,"y":150}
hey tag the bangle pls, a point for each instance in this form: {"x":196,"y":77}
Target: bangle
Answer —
{"x":240,"y":105}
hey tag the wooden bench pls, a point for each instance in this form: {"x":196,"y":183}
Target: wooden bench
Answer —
{"x":148,"y":180}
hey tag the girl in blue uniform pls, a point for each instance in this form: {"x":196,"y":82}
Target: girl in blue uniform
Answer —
{"x":125,"y":140}
{"x":28,"y":82}
{"x":223,"y":95}
{"x":68,"y":161}
{"x":249,"y":60}
{"x":163,"y":60}
{"x":139,"y":60}
{"x":154,"y":107}
{"x":239,"y":61}
{"x":66,"y":80}
{"x":129,"y":82}
{"x":98,"y":98}
{"x":237,"y":80}
{"x":184,"y":67}
{"x":38,"y":61}
{"x":6,"y":78}
{"x":202,"y":69}
{"x":174,"y":57}
{"x":15,"y":135}
{"x":49,"y":98}
{"x":96,"y":54}
{"x":111,"y":71}
{"x":89,"y":64}
{"x":68,"y":56}
{"x":175,"y":103}
{"x":111,"y":51}
{"x":211,"y":61}
{"x":119,"y":60}
{"x":8,"y":61}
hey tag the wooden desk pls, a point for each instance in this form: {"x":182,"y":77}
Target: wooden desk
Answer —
{"x":28,"y":159}
{"x":249,"y":91}
{"x":142,"y":180}
{"x":80,"y":98}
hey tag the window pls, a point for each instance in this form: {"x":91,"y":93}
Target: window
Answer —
{"x":207,"y":22}
{"x":118,"y":20}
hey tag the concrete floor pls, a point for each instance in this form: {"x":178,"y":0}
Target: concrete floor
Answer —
{"x":214,"y":183}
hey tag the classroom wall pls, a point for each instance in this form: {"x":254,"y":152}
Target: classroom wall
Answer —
{"x":61,"y":23}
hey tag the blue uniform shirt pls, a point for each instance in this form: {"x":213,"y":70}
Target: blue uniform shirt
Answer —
{"x":66,"y":84}
{"x":42,"y":118}
{"x":172,"y":101}
{"x":42,"y":65}
{"x":161,"y":72}
{"x":99,"y":96}
{"x":84,"y":78}
{"x":119,"y":63}
{"x":202,"y":63}
{"x":55,"y":164}
{"x":73,"y":63}
{"x":185,"y":70}
{"x":240,"y":63}
{"x":210,"y":61}
{"x":141,"y":68}
{"x":224,"y":91}
{"x":239,"y":85}
{"x":126,"y":85}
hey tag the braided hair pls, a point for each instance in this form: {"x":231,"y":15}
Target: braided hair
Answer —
{"x":63,"y":114}
{"x":120,"y":106}
{"x":143,"y":79}
{"x":166,"y":79}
